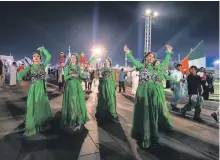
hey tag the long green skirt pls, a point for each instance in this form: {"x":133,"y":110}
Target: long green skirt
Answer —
{"x":165,"y":121}
{"x":38,"y":113}
{"x":145,"y":115}
{"x":106,"y":106}
{"x":74,"y":110}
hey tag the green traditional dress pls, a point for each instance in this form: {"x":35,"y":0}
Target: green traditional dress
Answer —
{"x":38,"y":112}
{"x":165,"y":121}
{"x":106,"y":107}
{"x":146,"y":108}
{"x":74,"y":110}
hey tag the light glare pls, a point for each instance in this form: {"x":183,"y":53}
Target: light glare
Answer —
{"x":97,"y":50}
{"x":155,"y":14}
{"x":148,"y":11}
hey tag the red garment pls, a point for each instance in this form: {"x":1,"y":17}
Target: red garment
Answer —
{"x":20,"y":68}
{"x":62,"y":59}
{"x":82,"y":60}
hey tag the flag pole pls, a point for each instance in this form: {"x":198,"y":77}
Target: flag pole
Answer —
{"x":68,"y":57}
{"x":194,"y":48}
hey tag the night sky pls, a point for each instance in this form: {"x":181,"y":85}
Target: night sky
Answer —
{"x":24,"y":26}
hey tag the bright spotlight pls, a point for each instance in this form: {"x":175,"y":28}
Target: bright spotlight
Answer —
{"x":155,"y":14}
{"x":97,"y":50}
{"x":148,"y":11}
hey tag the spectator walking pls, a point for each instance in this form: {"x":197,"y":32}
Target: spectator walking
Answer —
{"x":122,"y":80}
{"x":210,"y":81}
{"x":195,"y":94}
{"x":176,"y":87}
{"x":13,"y":74}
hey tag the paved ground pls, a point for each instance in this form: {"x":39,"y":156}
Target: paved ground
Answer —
{"x":190,"y":141}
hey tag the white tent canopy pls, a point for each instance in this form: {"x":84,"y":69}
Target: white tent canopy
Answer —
{"x":6,"y":58}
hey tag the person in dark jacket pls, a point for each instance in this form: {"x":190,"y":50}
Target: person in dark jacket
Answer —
{"x":195,"y":94}
{"x":168,"y":82}
{"x":210,"y":81}
{"x":92,"y":76}
{"x":202,"y":74}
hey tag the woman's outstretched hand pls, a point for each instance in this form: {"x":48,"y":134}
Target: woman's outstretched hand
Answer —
{"x":169,"y":48}
{"x":40,"y":48}
{"x":126,"y":49}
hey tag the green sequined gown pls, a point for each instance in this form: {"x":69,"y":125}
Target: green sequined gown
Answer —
{"x":146,"y":108}
{"x":74,"y":110}
{"x":106,"y":107}
{"x":38,"y":112}
{"x":165,"y":121}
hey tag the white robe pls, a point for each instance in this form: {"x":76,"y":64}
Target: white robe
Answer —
{"x":95,"y":85}
{"x":13,"y":74}
{"x":95,"y":90}
{"x":60,"y":74}
{"x":135,"y":80}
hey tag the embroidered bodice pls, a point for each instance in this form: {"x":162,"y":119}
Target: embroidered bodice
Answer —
{"x":106,"y":73}
{"x":74,"y":69}
{"x":37,"y":75}
{"x":146,"y":73}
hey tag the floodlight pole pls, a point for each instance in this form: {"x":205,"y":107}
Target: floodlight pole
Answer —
{"x":149,"y":17}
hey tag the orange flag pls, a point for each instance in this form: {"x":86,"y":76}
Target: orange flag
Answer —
{"x":185,"y":65}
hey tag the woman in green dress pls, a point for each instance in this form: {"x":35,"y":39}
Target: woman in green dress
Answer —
{"x":165,"y":121}
{"x":146,"y":108}
{"x":38,"y":112}
{"x":74,"y":112}
{"x":106,"y":107}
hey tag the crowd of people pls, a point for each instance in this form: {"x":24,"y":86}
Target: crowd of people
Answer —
{"x":150,"y":109}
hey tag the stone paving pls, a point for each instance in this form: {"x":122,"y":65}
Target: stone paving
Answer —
{"x":95,"y":142}
{"x":190,"y":141}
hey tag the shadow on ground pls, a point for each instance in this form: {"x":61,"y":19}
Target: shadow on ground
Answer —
{"x":164,"y":151}
{"x":118,"y":148}
{"x":180,"y":146}
{"x":55,"y":144}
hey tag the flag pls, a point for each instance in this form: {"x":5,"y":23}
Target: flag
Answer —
{"x":185,"y":65}
{"x":196,"y":57}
